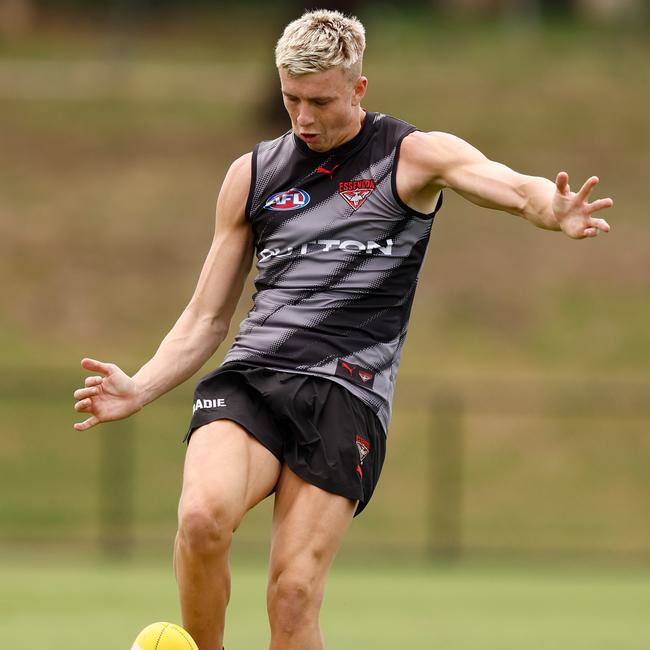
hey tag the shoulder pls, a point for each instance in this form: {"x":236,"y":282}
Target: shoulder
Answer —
{"x":421,"y":145}
{"x":435,"y":152}
{"x":269,"y":148}
{"x":387,"y":128}
{"x":240,"y":169}
{"x":238,"y":176}
{"x":235,"y":187}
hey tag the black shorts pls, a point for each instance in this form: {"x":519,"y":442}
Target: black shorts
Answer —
{"x":326,"y":435}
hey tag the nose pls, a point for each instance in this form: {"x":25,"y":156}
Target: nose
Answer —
{"x":305,"y":118}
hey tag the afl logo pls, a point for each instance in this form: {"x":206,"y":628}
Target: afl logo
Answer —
{"x":292,"y":199}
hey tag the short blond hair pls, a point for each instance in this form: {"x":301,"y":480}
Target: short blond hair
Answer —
{"x":320,"y":40}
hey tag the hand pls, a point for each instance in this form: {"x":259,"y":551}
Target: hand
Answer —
{"x":573,"y":211}
{"x":111,"y":396}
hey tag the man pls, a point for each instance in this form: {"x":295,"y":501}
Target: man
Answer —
{"x":339,"y":211}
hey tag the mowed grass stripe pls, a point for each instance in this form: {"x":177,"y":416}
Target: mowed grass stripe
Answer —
{"x":375,"y":607}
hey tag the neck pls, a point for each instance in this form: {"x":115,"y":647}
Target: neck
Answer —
{"x":354,"y":129}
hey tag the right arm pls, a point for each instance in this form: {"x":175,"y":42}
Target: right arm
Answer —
{"x":202,"y":326}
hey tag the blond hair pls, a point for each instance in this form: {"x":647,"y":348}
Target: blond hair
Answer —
{"x":320,"y":40}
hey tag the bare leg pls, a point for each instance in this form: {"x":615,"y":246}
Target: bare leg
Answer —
{"x":308,"y":527}
{"x":226,"y":473}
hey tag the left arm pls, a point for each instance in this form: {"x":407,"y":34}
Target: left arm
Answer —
{"x":433,"y":161}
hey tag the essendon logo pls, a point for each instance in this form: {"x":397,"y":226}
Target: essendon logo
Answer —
{"x":364,"y":448}
{"x":356,"y":192}
{"x":292,"y":199}
{"x":365,"y":376}
{"x":355,"y":373}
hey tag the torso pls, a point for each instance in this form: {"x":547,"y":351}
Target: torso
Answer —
{"x":338,"y":253}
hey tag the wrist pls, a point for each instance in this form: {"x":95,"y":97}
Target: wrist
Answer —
{"x":542,"y":217}
{"x":551,"y":222}
{"x":142,"y":394}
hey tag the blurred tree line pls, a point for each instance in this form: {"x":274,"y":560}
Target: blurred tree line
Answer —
{"x":22,"y":13}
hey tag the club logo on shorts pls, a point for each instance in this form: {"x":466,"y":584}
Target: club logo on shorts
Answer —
{"x":356,"y":192}
{"x":292,"y":199}
{"x":364,"y":448}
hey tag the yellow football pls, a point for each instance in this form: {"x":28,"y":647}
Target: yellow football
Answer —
{"x":164,"y":636}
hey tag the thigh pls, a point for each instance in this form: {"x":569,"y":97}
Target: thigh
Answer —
{"x":227,"y":470}
{"x":309,"y":525}
{"x":331,"y":438}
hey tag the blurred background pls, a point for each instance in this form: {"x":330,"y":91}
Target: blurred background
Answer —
{"x":520,"y":443}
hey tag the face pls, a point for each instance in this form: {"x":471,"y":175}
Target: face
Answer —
{"x":324,"y":107}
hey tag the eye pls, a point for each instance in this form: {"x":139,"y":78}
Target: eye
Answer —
{"x":322,"y":102}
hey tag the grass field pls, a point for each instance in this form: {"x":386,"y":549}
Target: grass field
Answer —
{"x":76,"y":606}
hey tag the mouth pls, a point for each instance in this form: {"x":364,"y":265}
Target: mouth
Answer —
{"x":309,"y":137}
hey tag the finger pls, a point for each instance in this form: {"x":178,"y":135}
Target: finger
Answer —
{"x":590,"y":232}
{"x":83,"y":405}
{"x":83,"y":393}
{"x":97,"y":366}
{"x":585,"y":190}
{"x":562,"y":183}
{"x":86,"y":424}
{"x":600,"y":224}
{"x":93,"y":381}
{"x":600,"y":204}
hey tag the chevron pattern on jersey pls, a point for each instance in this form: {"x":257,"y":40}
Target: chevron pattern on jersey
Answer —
{"x":338,"y":258}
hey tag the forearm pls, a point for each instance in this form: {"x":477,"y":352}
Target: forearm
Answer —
{"x":501,"y":188}
{"x":496,"y":186}
{"x":189,"y":344}
{"x":436,"y":160}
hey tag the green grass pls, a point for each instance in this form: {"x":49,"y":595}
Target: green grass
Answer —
{"x":81,"y":605}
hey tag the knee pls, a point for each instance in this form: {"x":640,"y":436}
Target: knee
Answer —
{"x":293,"y":598}
{"x":203,"y":530}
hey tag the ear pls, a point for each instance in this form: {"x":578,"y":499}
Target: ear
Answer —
{"x":359,"y":90}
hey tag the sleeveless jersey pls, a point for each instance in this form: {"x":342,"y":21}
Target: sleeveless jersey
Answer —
{"x":338,"y":258}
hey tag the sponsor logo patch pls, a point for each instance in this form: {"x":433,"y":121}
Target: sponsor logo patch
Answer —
{"x":208,"y":404}
{"x":355,"y":373}
{"x":369,"y":247}
{"x":292,"y":199}
{"x":356,"y":192}
{"x":329,"y":172}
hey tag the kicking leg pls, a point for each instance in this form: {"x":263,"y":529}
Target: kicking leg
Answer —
{"x":226,"y":473}
{"x":308,"y":527}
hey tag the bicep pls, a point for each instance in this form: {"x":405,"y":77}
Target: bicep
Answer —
{"x":229,"y":259}
{"x":453,"y":163}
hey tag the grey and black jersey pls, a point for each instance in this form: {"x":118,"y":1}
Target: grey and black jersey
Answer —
{"x":338,"y":258}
